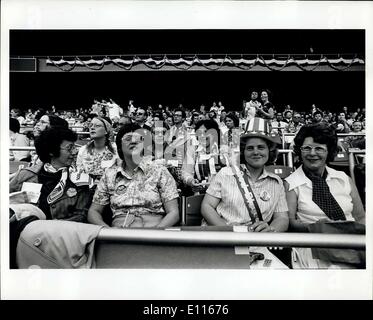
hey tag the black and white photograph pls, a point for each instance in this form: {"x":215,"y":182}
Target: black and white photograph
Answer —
{"x":185,"y":150}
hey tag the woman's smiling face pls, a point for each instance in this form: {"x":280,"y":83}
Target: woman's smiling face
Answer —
{"x":314,"y":154}
{"x":256,"y":152}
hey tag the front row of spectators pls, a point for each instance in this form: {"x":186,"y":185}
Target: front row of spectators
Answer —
{"x":130,"y":188}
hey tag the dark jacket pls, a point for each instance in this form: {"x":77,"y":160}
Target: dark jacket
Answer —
{"x":72,"y":208}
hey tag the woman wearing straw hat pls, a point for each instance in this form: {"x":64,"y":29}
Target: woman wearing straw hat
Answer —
{"x":248,"y":194}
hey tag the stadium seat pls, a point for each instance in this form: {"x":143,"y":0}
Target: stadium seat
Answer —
{"x":191,"y":210}
{"x":341,"y":162}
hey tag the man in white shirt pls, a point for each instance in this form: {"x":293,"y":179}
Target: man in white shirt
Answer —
{"x":16,"y":114}
{"x":251,"y":106}
{"x":96,"y":107}
{"x":113,"y":110}
{"x":178,"y":128}
{"x":278,"y":125}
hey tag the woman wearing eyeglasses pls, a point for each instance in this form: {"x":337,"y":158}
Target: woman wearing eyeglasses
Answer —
{"x":316,"y":192}
{"x":48,"y":121}
{"x":140,"y":192}
{"x":59,"y":196}
{"x":99,"y":154}
{"x":45,"y":122}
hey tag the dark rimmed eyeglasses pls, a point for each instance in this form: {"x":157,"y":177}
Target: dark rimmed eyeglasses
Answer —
{"x":70,"y":148}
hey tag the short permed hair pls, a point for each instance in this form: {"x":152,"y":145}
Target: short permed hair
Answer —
{"x":48,"y":143}
{"x":321,"y":133}
{"x":126,"y":128}
{"x":234,"y":118}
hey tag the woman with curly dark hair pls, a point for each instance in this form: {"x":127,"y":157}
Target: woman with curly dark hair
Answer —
{"x":60,"y":195}
{"x":266,"y":109}
{"x":317,"y":192}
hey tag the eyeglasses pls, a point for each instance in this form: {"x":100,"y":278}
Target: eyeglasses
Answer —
{"x":308,"y":149}
{"x":95,"y":125}
{"x":140,"y":113}
{"x":70,"y":148}
{"x":133,"y":138}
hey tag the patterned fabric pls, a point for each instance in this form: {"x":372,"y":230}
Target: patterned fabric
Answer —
{"x":250,"y":109}
{"x":310,"y":212}
{"x":247,"y":194}
{"x":200,"y":165}
{"x":57,"y":192}
{"x":268,"y":190}
{"x":96,"y":162}
{"x":18,"y":140}
{"x":278,"y":126}
{"x":260,"y":128}
{"x":145,"y":192}
{"x":230,"y":138}
{"x":323,"y":198}
{"x":175,"y":132}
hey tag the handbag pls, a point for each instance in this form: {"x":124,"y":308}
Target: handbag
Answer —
{"x":355,"y":257}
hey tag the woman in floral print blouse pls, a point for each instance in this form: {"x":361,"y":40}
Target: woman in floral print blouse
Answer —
{"x":99,"y":154}
{"x":140,"y":192}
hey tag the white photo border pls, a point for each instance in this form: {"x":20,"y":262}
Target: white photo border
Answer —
{"x":181,"y":284}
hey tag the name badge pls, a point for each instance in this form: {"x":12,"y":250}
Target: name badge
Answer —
{"x":79,"y":178}
{"x":33,"y":191}
{"x":120,"y":189}
{"x":106,"y":163}
{"x":265,"y":196}
{"x":71,"y":192}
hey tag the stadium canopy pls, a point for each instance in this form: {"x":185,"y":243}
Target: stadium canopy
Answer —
{"x":190,"y":62}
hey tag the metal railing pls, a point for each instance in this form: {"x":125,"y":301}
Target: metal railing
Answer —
{"x":176,"y":236}
{"x":289,"y":154}
{"x":293,"y":134}
{"x":351,"y":160}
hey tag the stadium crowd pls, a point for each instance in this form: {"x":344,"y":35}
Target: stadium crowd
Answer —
{"x":127,"y":166}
